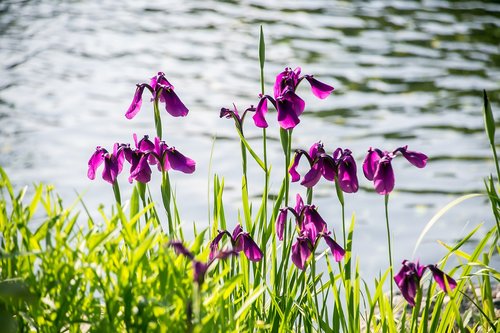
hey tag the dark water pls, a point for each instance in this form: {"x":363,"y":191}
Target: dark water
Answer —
{"x":405,"y":73}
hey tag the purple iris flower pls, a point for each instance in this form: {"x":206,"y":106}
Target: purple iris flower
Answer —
{"x":199,"y":268}
{"x":377,"y":166}
{"x":340,"y":167}
{"x":241,"y":241}
{"x":288,"y":104}
{"x":113,"y":163}
{"x":312,"y":228}
{"x":160,"y":90}
{"x":408,"y":279}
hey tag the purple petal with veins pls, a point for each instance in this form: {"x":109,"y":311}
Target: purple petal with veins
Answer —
{"x":313,"y":176}
{"x":173,"y":104}
{"x":280,"y":223}
{"x":301,"y":252}
{"x":319,"y":89}
{"x":95,"y":161}
{"x":135,"y":106}
{"x":442,"y":279}
{"x":179,"y":162}
{"x":295,"y":176}
{"x":370,"y":163}
{"x":347,"y":178}
{"x":337,"y":250}
{"x":259,"y":117}
{"x":383,"y":178}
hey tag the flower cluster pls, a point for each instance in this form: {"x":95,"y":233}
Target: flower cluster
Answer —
{"x":288,"y":104}
{"x":339,"y":167}
{"x":140,"y":158}
{"x":311,"y":228}
{"x":408,"y":279}
{"x":241,"y":242}
{"x":377,"y":166}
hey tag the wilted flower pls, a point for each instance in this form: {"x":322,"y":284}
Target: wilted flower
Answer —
{"x":240,"y":240}
{"x":288,"y":104}
{"x":408,"y":279}
{"x":199,"y":268}
{"x":340,"y":167}
{"x":161,"y":90}
{"x":378,"y":168}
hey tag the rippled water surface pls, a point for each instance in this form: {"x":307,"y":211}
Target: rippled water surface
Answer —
{"x":405,"y":73}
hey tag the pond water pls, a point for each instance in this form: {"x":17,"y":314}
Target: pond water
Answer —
{"x":404,"y":72}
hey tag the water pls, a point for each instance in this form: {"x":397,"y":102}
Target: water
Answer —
{"x":405,"y":73}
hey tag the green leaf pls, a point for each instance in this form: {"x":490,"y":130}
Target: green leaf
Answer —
{"x":262,"y":48}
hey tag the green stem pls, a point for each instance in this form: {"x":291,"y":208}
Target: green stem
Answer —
{"x":416,"y":310}
{"x":313,"y":286}
{"x":157,"y":116}
{"x":389,"y":242}
{"x":495,"y":157}
{"x":166,"y":194}
{"x":116,"y":191}
{"x":309,"y":195}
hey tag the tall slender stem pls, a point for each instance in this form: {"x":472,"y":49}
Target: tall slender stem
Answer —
{"x":157,"y":116}
{"x":116,"y":192}
{"x":389,"y":242}
{"x":166,"y":195}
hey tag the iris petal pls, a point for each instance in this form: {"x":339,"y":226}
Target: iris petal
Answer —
{"x":370,"y":163}
{"x":301,"y":252}
{"x":313,"y":176}
{"x":337,"y":250}
{"x":179,"y":162}
{"x":95,"y":161}
{"x":173,"y":104}
{"x":347,"y":178}
{"x":295,"y":176}
{"x":259,"y":117}
{"x":442,"y":279}
{"x":384,"y":177}
{"x":135,"y":106}
{"x":319,"y":89}
{"x":417,"y":159}
{"x":280,"y":223}
{"x":250,"y":248}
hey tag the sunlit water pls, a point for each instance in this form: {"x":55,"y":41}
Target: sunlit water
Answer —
{"x":405,"y":73}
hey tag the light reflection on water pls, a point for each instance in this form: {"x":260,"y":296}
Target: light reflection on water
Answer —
{"x":405,"y":72}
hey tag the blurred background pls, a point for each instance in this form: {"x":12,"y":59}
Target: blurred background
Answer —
{"x":405,"y":73}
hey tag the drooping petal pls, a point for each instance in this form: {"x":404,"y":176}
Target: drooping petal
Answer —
{"x":279,"y":83}
{"x":280,"y":223}
{"x":173,"y":104}
{"x":179,"y":162}
{"x":337,"y":250}
{"x":313,"y":176}
{"x":295,"y":176}
{"x":442,"y":279}
{"x":179,"y":248}
{"x":140,"y":171}
{"x":347,"y":177}
{"x":301,"y":251}
{"x":383,"y":178}
{"x":95,"y":161}
{"x":259,"y":117}
{"x":319,"y":89}
{"x":289,"y":107}
{"x":250,"y":248}
{"x":110,"y":171}
{"x":135,"y":106}
{"x":370,"y":163}
{"x":417,"y":159}
{"x":329,"y":169}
